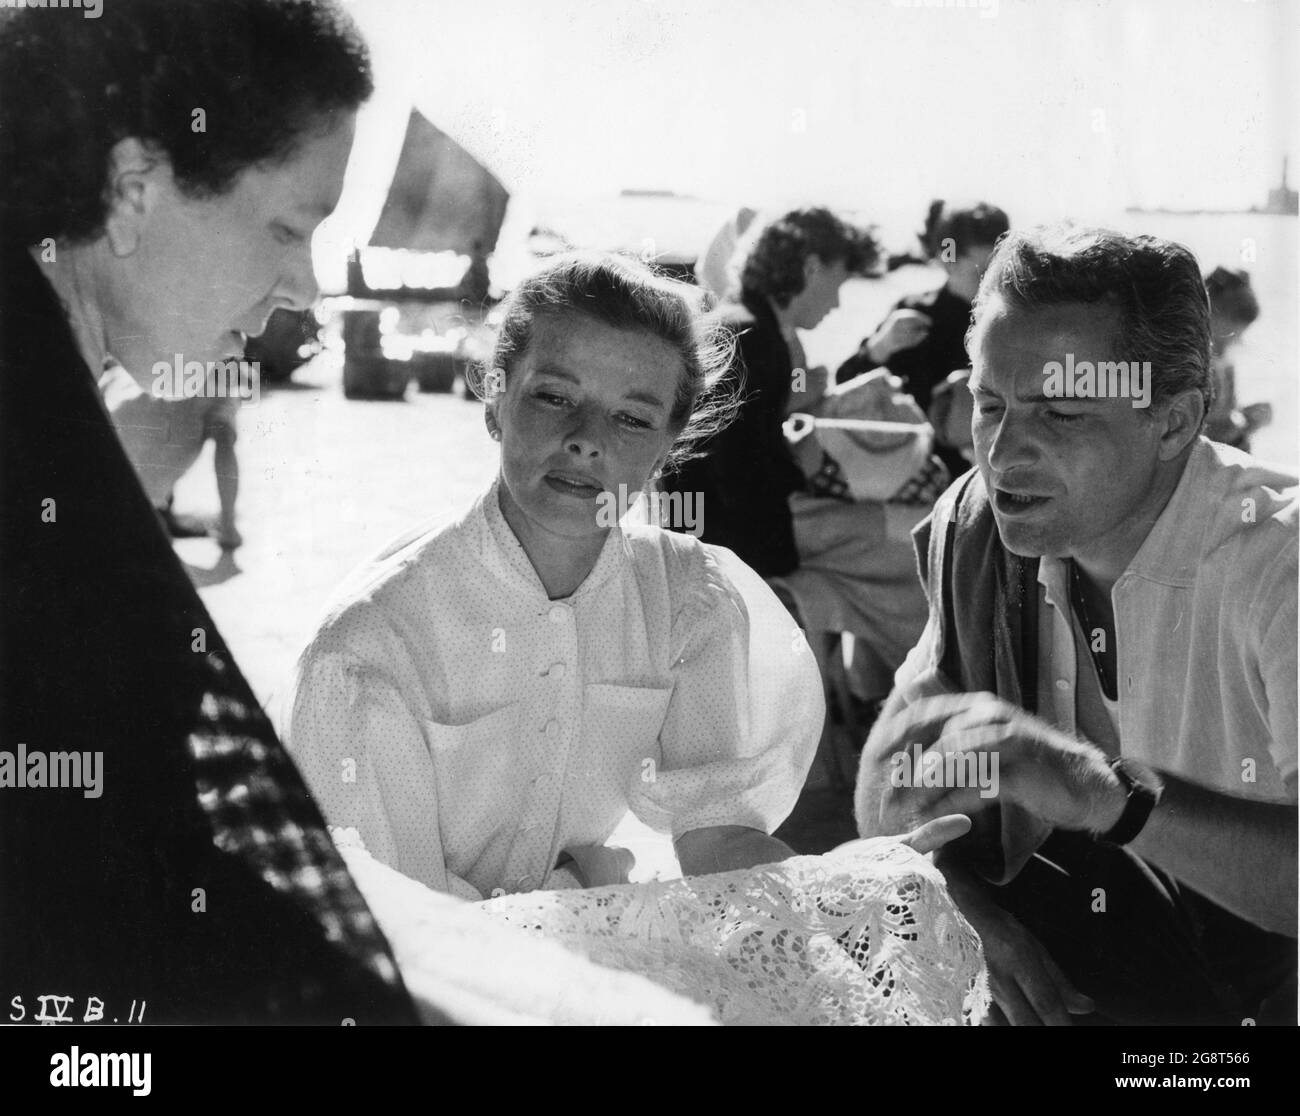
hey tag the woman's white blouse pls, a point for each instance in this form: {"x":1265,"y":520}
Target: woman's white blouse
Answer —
{"x":472,"y":730}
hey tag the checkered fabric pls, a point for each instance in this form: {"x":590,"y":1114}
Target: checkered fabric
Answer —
{"x":923,"y":487}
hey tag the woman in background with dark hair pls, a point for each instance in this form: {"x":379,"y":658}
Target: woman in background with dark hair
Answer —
{"x":744,"y":475}
{"x":164,"y":167}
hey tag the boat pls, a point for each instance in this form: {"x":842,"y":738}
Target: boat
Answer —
{"x":419,"y":290}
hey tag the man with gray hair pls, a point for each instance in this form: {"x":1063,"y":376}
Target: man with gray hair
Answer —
{"x":1113,"y":621}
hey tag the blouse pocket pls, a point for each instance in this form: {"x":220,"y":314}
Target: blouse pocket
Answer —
{"x":620,"y":742}
{"x":476,"y":765}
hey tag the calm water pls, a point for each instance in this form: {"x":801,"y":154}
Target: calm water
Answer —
{"x":1268,"y":359}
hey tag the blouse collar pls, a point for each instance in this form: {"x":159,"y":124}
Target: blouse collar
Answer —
{"x":505,"y":556}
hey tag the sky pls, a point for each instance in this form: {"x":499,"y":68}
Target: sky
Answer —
{"x":1047,"y":107}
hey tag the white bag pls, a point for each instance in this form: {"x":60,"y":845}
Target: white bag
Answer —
{"x":873,"y":429}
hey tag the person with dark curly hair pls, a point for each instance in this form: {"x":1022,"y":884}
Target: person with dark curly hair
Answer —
{"x":744,"y":475}
{"x":163,"y":169}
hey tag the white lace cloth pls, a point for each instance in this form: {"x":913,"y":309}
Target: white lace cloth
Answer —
{"x":460,"y":963}
{"x":864,"y":935}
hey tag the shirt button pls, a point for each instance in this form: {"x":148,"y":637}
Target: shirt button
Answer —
{"x":1062,"y":684}
{"x":552,"y":730}
{"x":556,"y":672}
{"x":558,"y":613}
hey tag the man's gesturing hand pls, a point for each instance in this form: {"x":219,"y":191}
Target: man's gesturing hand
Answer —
{"x":1063,"y":781}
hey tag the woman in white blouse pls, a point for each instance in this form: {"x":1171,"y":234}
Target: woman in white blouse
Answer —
{"x":489,"y":700}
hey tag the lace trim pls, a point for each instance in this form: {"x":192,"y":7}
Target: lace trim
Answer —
{"x":865,"y":935}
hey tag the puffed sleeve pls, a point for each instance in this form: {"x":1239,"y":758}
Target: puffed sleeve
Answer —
{"x":365,"y":759}
{"x":746,"y":711}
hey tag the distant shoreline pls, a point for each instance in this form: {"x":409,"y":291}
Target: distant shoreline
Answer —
{"x":1255,"y":210}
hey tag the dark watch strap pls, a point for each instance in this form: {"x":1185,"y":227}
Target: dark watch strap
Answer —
{"x":1143,"y":794}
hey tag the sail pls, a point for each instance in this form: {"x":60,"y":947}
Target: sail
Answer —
{"x":441,"y":197}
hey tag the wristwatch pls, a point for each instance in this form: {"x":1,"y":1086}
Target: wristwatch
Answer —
{"x":1143,"y":793}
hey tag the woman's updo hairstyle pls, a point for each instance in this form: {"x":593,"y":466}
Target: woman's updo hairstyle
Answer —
{"x":622,"y":292}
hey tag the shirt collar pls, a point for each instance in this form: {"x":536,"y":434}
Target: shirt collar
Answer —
{"x":504,"y":554}
{"x":1171,"y":551}
{"x":1053,"y":576}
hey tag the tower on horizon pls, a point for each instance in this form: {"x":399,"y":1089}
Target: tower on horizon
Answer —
{"x":1283,"y":199}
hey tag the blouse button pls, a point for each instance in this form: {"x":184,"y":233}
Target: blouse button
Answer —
{"x":1062,"y":684}
{"x":558,"y":613}
{"x":552,"y":730}
{"x":556,"y":672}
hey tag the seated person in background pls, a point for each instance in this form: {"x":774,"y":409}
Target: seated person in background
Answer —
{"x":507,"y":688}
{"x":1233,"y":308}
{"x":867,"y":451}
{"x":745,"y":473}
{"x":164,"y":438}
{"x":715,"y":270}
{"x":923,"y":338}
{"x":1112,"y":644}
